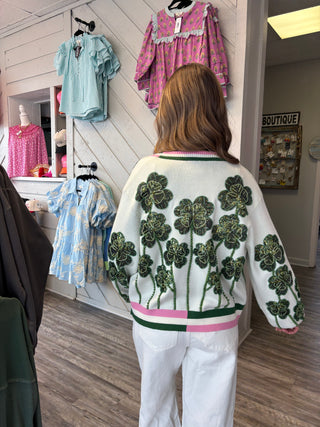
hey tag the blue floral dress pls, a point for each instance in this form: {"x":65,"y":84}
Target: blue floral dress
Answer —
{"x":85,"y":209}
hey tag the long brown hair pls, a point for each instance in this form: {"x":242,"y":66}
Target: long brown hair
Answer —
{"x":192,"y":115}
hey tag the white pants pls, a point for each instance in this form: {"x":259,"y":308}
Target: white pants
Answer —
{"x":209,"y":365}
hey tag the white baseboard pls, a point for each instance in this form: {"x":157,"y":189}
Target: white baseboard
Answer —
{"x":105,"y":307}
{"x":299,"y":261}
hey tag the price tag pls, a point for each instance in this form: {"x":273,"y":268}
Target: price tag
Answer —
{"x":178,"y":25}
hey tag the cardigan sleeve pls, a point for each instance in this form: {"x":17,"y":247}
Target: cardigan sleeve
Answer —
{"x":145,"y":60}
{"x":123,"y":249}
{"x":272,"y":278}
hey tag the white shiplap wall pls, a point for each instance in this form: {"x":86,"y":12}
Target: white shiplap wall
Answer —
{"x":128,"y":134}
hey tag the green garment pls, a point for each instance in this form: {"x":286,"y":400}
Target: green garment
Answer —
{"x":19,"y":395}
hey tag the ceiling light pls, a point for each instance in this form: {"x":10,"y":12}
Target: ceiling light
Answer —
{"x":298,"y":23}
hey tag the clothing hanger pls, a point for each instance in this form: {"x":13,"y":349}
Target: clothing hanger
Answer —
{"x":79,"y":32}
{"x":77,"y":48}
{"x":86,"y":177}
{"x":90,"y":26}
{"x":182,"y":4}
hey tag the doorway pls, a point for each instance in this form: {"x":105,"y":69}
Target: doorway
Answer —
{"x":292,"y":84}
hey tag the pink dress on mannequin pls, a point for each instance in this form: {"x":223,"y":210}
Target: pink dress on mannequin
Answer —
{"x":26,"y":149}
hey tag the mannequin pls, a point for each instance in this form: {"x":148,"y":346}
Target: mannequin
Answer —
{"x":24,"y":118}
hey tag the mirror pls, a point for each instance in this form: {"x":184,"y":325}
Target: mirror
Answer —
{"x":34,"y":120}
{"x":314,"y":148}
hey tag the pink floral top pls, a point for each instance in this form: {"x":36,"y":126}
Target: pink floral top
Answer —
{"x":26,"y":149}
{"x":164,"y":50}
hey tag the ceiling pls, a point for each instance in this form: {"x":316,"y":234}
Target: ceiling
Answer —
{"x":14,"y":13}
{"x":302,"y":48}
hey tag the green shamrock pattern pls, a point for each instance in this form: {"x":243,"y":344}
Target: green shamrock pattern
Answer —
{"x":144,"y":265}
{"x":269,"y":254}
{"x":205,"y":254}
{"x":230,"y":231}
{"x":195,"y":218}
{"x":236,"y":196}
{"x":176,"y":253}
{"x":281,"y":280}
{"x":154,"y":229}
{"x":154,"y":192}
{"x":120,"y":252}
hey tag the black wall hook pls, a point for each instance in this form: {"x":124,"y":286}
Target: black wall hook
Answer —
{"x":93,"y":166}
{"x":91,"y":25}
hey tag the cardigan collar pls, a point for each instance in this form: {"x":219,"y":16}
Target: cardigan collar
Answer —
{"x":189,"y":155}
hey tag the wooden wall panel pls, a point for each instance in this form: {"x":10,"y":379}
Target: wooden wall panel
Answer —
{"x":37,"y":31}
{"x":83,"y":154}
{"x":138,"y":11}
{"x":33,"y":83}
{"x":134,"y":134}
{"x":120,"y":24}
{"x":33,"y":68}
{"x":35,"y":49}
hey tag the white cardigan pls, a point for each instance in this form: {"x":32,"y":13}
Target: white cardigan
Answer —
{"x":186,"y":225}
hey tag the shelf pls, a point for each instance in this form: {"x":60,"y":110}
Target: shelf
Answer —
{"x":35,"y":188}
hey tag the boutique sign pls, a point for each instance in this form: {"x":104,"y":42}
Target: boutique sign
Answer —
{"x":281,"y":119}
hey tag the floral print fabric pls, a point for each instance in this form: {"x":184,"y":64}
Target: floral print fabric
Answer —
{"x":163,"y":51}
{"x":180,"y":243}
{"x":85,"y":209}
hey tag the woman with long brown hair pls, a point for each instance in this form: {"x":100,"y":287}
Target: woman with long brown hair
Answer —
{"x":189,"y":219}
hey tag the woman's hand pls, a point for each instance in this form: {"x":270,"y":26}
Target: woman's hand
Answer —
{"x":289,"y":331}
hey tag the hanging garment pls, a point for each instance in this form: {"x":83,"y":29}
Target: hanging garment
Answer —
{"x":164,"y":50}
{"x":25,"y":254}
{"x":26,"y":149}
{"x":85,"y":76}
{"x":84,"y":209}
{"x":19,"y":394}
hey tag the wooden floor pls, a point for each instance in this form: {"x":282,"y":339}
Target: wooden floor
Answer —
{"x":89,"y":376}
